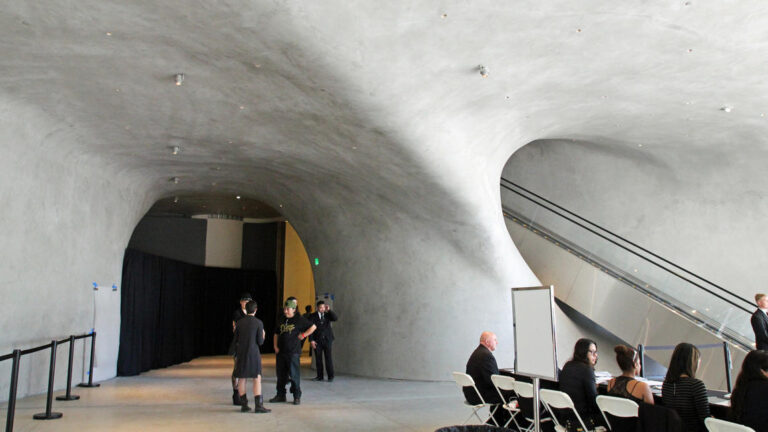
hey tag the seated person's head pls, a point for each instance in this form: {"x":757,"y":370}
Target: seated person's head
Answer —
{"x":488,"y":340}
{"x":627,"y":358}
{"x":585,"y":351}
{"x":754,"y":368}
{"x":250,"y":307}
{"x":685,"y":361}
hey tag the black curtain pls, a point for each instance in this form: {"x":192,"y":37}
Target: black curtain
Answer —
{"x":172,"y":312}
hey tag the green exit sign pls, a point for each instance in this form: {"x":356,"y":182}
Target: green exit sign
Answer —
{"x":317,"y":261}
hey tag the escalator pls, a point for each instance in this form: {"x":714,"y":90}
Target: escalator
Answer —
{"x":627,"y":290}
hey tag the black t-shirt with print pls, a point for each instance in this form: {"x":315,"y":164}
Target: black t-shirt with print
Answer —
{"x":287,"y":331}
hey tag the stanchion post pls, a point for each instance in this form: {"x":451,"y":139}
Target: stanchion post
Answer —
{"x":69,"y":396}
{"x":12,"y":391}
{"x":90,"y":368}
{"x":728,"y":366}
{"x":48,"y":414}
{"x":641,"y":353}
{"x":536,"y":409}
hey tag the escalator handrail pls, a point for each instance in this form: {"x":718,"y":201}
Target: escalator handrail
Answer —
{"x":625,"y":248}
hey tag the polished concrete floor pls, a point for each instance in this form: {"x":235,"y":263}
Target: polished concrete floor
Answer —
{"x":195,"y":396}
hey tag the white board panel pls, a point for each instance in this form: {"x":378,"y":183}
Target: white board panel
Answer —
{"x":535,"y":343}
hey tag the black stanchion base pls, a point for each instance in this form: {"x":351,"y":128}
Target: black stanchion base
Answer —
{"x":88,"y":385}
{"x":45,"y":416}
{"x":66,"y":398}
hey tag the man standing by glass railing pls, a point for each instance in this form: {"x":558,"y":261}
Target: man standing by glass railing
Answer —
{"x":760,"y":322}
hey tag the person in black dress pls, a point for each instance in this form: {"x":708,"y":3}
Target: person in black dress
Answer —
{"x":237,"y":315}
{"x":626,"y":385}
{"x":249,"y":334}
{"x":322,"y":339}
{"x":577,"y":379}
{"x":292,"y":328}
{"x":682,"y":391}
{"x":749,"y":400}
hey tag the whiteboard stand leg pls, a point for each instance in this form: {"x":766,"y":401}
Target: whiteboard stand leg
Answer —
{"x":536,"y":410}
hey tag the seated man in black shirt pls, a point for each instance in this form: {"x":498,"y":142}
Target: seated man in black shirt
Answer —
{"x":480,"y":366}
{"x":292,"y":328}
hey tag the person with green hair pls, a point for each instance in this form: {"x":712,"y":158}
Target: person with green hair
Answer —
{"x":291,"y":329}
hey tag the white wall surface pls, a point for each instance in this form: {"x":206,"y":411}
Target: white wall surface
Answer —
{"x":224,"y":243}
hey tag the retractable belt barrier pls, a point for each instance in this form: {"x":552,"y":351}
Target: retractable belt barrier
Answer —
{"x":16,"y":357}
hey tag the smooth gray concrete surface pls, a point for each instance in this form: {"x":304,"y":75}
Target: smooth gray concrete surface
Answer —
{"x":195,"y":396}
{"x":367,"y":125}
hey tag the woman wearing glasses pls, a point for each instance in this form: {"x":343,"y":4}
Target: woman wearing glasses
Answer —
{"x":577,"y":379}
{"x":626,"y":385}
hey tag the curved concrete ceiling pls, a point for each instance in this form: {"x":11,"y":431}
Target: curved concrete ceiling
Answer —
{"x":369,"y":122}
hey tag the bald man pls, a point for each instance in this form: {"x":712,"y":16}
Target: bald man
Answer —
{"x":480,"y":366}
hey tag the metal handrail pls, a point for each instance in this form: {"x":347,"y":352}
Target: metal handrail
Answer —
{"x":614,"y":242}
{"x":16,"y":357}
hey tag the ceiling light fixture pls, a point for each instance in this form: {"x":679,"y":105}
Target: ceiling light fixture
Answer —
{"x":237,"y":197}
{"x":175,"y":200}
{"x":179,"y":78}
{"x":175,"y":180}
{"x":726,"y":108}
{"x":175,"y":150}
{"x":483,"y":71}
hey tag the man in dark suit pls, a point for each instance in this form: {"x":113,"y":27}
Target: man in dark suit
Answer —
{"x":760,"y":322}
{"x":322,"y":339}
{"x":480,"y":366}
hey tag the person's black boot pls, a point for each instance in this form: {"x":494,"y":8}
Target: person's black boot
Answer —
{"x":317,"y":378}
{"x":296,"y":400}
{"x":278,"y":398}
{"x":235,"y":397}
{"x":244,"y":404}
{"x":259,"y":405}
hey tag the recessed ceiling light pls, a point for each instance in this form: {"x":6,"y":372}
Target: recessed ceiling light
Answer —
{"x":175,"y":180}
{"x":175,"y":150}
{"x":242,"y":107}
{"x":175,"y":200}
{"x":179,"y":78}
{"x":726,"y":108}
{"x":483,"y":71}
{"x":444,"y":16}
{"x":109,"y":33}
{"x":238,"y":197}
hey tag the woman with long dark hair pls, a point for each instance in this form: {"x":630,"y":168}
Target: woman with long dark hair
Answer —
{"x":682,"y":391}
{"x":749,"y":400}
{"x":577,"y":379}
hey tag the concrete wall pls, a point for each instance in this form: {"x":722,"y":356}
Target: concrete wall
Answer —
{"x":65,"y":221}
{"x":182,"y":239}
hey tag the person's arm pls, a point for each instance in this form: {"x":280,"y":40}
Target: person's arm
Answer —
{"x":307,"y":332}
{"x":759,"y":327}
{"x":274,"y":341}
{"x":590,"y":391}
{"x":234,"y":324}
{"x":647,"y":393}
{"x":331,"y":315}
{"x":260,"y":335}
{"x":700,"y":400}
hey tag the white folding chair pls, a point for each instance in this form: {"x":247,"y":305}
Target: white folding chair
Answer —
{"x":559,"y":400}
{"x":506,"y":383}
{"x":464,"y":380}
{"x":616,"y":406}
{"x":525,"y":390}
{"x":715,"y":425}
